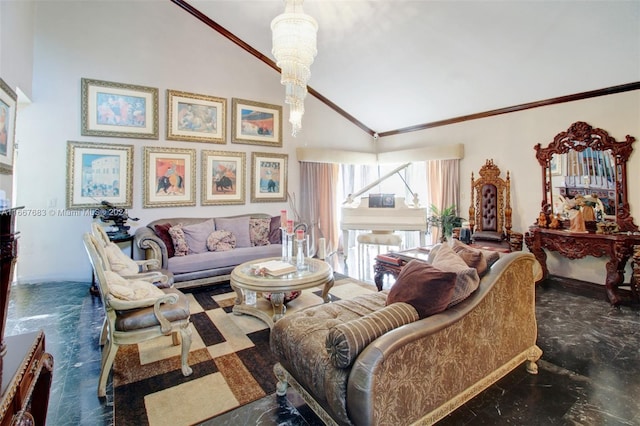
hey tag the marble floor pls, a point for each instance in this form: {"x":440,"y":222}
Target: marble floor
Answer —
{"x":589,"y":373}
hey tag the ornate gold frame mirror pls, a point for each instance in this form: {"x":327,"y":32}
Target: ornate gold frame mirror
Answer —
{"x":587,"y":161}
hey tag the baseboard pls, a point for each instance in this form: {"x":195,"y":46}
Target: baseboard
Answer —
{"x":581,"y":288}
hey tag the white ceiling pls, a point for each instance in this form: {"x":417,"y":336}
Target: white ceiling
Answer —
{"x":392,"y":64}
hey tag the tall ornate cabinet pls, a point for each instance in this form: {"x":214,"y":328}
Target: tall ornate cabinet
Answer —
{"x":26,"y":369}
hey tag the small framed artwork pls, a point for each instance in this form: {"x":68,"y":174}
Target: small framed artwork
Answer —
{"x":119,"y":110}
{"x":8,"y":100}
{"x":169,"y":177}
{"x":99,"y":172}
{"x":555,"y":164}
{"x":256,"y":123}
{"x":223,"y":177}
{"x":268,"y":177}
{"x":196,"y":118}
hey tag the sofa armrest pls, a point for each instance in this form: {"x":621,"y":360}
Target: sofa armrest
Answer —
{"x":441,"y":357}
{"x":152,"y":245}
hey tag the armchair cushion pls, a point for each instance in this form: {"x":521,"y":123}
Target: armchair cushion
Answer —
{"x":487,"y":236}
{"x":345,"y":341}
{"x":467,"y":279}
{"x":196,"y":235}
{"x":138,"y":290}
{"x":426,"y":288}
{"x":120,"y":262}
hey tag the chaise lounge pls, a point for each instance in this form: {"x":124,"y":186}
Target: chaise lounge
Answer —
{"x":366,"y":362}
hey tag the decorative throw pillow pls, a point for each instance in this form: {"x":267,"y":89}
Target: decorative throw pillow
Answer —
{"x":124,"y":289}
{"x":162,"y":231}
{"x":119,"y":262}
{"x":238,"y":226}
{"x":467,"y":279}
{"x":196,"y":235}
{"x":345,"y":341}
{"x":428,"y":289}
{"x":221,"y":241}
{"x":179,"y":242}
{"x":275,"y":234}
{"x":474,"y":258}
{"x":259,"y":231}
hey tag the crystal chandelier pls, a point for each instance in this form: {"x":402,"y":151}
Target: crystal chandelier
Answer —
{"x":294,"y":47}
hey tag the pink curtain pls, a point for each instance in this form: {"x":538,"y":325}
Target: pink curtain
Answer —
{"x":443,"y":183}
{"x":318,"y":204}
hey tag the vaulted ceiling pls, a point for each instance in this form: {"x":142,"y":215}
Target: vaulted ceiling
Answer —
{"x":391,"y":65}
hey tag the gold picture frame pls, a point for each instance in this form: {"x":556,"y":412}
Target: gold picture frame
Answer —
{"x":99,"y":172}
{"x":119,"y":110}
{"x":169,"y":177}
{"x":8,"y":109}
{"x":268,"y":177}
{"x":256,"y":123}
{"x":196,"y":118}
{"x":223,"y":178}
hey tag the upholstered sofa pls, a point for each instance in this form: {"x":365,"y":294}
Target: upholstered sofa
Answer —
{"x":254,"y":236}
{"x":368,"y":362}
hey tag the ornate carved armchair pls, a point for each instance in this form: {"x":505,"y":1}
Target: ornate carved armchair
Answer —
{"x":490,"y":210}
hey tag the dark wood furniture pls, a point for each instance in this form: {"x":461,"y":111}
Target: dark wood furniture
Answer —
{"x":392,"y":263}
{"x":602,"y":165}
{"x":26,"y":381}
{"x":618,"y":248}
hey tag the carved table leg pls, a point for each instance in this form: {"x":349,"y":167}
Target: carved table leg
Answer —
{"x":277,"y":302}
{"x":635,"y":275}
{"x":325,"y":291}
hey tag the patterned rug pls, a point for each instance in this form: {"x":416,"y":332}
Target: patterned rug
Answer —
{"x":230,"y":356}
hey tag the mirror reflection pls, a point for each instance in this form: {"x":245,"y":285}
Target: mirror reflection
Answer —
{"x":591,"y":174}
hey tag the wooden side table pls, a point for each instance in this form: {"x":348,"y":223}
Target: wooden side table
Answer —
{"x":393,"y":262}
{"x":26,"y":380}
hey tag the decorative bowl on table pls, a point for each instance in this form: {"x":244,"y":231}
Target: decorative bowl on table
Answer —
{"x":288,"y":296}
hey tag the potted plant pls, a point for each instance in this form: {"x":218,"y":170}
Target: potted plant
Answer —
{"x":445,"y":220}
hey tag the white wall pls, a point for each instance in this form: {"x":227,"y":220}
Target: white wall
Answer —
{"x":509,"y":140}
{"x":157,"y":44}
{"x":152,"y":44}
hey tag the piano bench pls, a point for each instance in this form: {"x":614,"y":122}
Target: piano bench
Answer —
{"x":379,"y":239}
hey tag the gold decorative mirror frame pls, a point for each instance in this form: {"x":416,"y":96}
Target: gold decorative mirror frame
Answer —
{"x":579,"y":138}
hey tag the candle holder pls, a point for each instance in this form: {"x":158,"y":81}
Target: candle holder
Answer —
{"x":300,"y":254}
{"x":289,"y":247}
{"x":284,"y":241}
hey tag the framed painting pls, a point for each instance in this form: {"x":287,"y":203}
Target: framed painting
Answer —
{"x":256,"y":123}
{"x":555,"y":164}
{"x":223,"y":176}
{"x":268,"y":177}
{"x":196,"y":118}
{"x":169,"y":177}
{"x":8,"y":100}
{"x":99,"y":172}
{"x":119,"y":110}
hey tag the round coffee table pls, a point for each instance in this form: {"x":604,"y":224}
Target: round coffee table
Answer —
{"x":314,"y":273}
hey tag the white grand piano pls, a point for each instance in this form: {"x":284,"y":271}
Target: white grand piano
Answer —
{"x":387,"y":216}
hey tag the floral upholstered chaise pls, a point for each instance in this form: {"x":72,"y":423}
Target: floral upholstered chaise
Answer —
{"x":378,"y":360}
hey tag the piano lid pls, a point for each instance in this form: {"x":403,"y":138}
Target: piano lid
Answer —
{"x":351,"y":197}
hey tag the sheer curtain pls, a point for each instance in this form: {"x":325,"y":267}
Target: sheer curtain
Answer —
{"x":443,"y":183}
{"x":319,"y":203}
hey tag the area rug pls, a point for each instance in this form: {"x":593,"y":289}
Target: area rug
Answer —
{"x":230,"y":356}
